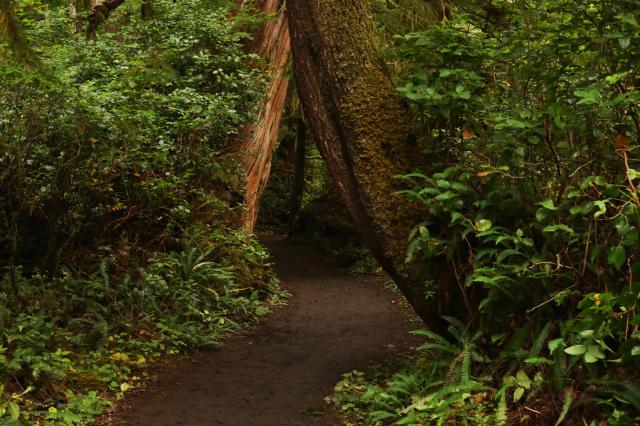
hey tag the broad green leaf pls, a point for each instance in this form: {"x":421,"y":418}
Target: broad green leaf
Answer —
{"x":444,"y":184}
{"x":576,"y":350}
{"x":456,"y":217}
{"x":447,"y":195}
{"x":548,"y":204}
{"x":522,"y":379}
{"x":542,"y":214}
{"x":560,"y":227}
{"x":624,"y":42}
{"x":588,"y":96}
{"x":617,"y":257}
{"x":593,"y":354}
{"x":14,"y":411}
{"x":483,"y":225}
{"x":533,"y":140}
{"x":459,"y":186}
{"x":518,"y":394}
{"x":424,"y":232}
{"x":589,"y":358}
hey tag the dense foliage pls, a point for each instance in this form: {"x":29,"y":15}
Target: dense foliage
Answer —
{"x":529,"y":111}
{"x":117,"y":178}
{"x":119,"y":195}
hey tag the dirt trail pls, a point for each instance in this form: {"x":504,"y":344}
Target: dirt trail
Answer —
{"x":280,"y":371}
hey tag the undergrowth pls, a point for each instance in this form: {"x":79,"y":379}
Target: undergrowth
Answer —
{"x":119,"y":198}
{"x":70,"y":343}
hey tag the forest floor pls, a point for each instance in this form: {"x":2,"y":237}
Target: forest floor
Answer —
{"x":280,"y":372}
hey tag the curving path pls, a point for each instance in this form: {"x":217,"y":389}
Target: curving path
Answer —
{"x":278,"y":373}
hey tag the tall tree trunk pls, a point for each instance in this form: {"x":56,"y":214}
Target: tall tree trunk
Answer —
{"x":258,"y":141}
{"x":147,"y":11}
{"x":443,"y":9}
{"x":11,"y":32}
{"x":297,"y":187}
{"x":363,"y":131}
{"x":73,"y":15}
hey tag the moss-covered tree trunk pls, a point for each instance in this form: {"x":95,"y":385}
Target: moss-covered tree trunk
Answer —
{"x":363,"y":131}
{"x":258,"y":141}
{"x":11,"y":32}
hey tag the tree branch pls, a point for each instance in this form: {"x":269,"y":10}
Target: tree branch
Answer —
{"x":100,"y":14}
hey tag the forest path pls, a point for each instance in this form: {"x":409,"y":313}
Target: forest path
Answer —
{"x":279,"y":372}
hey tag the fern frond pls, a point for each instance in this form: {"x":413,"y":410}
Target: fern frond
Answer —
{"x":538,"y":343}
{"x":465,"y":376}
{"x":566,"y":406}
{"x":501,"y":410}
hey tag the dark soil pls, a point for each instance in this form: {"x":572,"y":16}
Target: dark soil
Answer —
{"x":280,"y":372}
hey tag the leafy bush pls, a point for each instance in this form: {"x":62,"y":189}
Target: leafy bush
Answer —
{"x":98,"y":331}
{"x":121,"y":140}
{"x":529,"y":111}
{"x":117,"y":189}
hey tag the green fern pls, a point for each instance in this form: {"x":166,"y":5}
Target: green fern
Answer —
{"x":463,"y":351}
{"x":501,"y":410}
{"x":566,"y":406}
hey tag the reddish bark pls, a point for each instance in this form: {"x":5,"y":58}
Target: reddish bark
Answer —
{"x":258,"y":141}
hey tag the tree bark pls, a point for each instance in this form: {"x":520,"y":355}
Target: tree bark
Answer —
{"x":258,"y":141}
{"x":11,"y":32}
{"x":100,"y":12}
{"x":73,"y":15}
{"x":363,"y":131}
{"x":147,"y":11}
{"x":297,"y":187}
{"x":443,"y":10}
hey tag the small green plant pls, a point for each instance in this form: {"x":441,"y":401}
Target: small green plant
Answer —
{"x":463,"y":352}
{"x":439,"y":388}
{"x":528,"y":113}
{"x":118,"y":201}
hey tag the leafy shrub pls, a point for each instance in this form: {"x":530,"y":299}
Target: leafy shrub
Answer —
{"x":117,"y":189}
{"x":528,"y":111}
{"x":122,"y":140}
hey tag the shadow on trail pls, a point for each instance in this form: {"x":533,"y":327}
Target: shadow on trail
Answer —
{"x":279,"y":372}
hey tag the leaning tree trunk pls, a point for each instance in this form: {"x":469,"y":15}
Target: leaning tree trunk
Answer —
{"x":363,"y":131}
{"x":258,"y":141}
